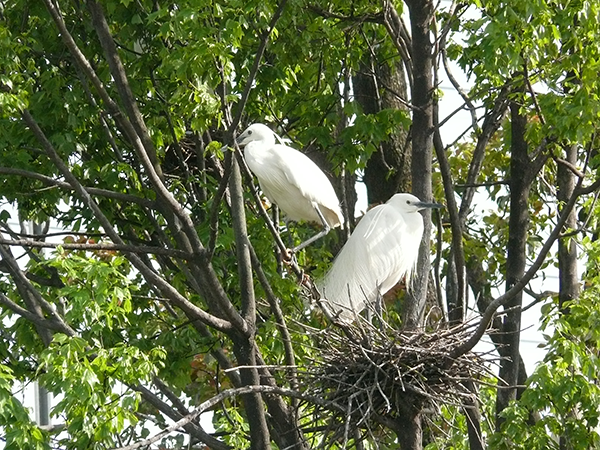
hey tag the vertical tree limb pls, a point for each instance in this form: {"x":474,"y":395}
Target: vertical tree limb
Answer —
{"x":421,"y":15}
{"x":516,"y":259}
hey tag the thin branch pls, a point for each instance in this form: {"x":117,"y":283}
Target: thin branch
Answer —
{"x":260,"y":389}
{"x":532,"y":92}
{"x":522,"y":283}
{"x":36,"y":302}
{"x":478,"y":185}
{"x":88,"y":70}
{"x":537,"y":297}
{"x":214,"y":209}
{"x":452,"y":208}
{"x":34,"y":318}
{"x":279,"y":317}
{"x":459,"y":89}
{"x":137,"y":140}
{"x":491,"y":123}
{"x":151,"y":276}
{"x":126,"y":95}
{"x":400,"y":36}
{"x":194,"y":429}
{"x":241,"y":105}
{"x":355,"y":20}
{"x":98,"y":247}
{"x":569,"y":166}
{"x":49,"y":181}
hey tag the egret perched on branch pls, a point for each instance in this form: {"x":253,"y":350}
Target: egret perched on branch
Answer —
{"x":291,"y":180}
{"x":382,"y":249}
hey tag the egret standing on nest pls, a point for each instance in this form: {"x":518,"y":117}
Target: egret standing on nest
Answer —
{"x":383,"y":248}
{"x":291,"y":180}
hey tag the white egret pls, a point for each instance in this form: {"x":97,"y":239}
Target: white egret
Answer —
{"x":291,"y":180}
{"x":382,"y":249}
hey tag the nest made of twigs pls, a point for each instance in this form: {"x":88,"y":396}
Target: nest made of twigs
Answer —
{"x":366,"y":373}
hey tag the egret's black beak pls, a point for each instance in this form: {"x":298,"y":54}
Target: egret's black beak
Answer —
{"x":239,"y":139}
{"x":426,"y":205}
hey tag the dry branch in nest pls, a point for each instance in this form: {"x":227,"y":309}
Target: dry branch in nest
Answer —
{"x":370,"y":373}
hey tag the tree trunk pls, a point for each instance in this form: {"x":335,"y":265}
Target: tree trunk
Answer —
{"x":409,"y":426}
{"x":421,"y":15}
{"x":259,"y":432}
{"x":567,"y":251}
{"x":520,"y":184}
{"x":376,"y":87}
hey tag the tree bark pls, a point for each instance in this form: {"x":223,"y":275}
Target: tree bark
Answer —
{"x":421,"y":15}
{"x":567,"y":250}
{"x":516,"y":260}
{"x":376,"y":87}
{"x":409,"y":426}
{"x":482,"y":290}
{"x":245,"y":354}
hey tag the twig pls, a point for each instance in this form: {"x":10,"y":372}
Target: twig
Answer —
{"x":126,"y":198}
{"x":219,"y":398}
{"x":569,"y":166}
{"x":148,"y":272}
{"x":518,"y":286}
{"x":99,"y":247}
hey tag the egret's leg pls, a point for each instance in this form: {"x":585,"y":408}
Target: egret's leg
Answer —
{"x":278,"y":254}
{"x":289,"y":230}
{"x":319,"y":235}
{"x":374,"y":309}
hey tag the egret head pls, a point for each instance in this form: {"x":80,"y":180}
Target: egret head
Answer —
{"x":409,"y":203}
{"x":256,"y":132}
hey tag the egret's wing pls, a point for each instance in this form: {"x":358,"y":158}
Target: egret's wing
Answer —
{"x":309,"y":179}
{"x":358,"y":269}
{"x":382,"y":249}
{"x":272,"y":173}
{"x":294,"y":182}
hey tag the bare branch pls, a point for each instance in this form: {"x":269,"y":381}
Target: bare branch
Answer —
{"x":151,"y":276}
{"x":49,"y":181}
{"x":569,"y":166}
{"x":518,"y":286}
{"x":222,"y":396}
{"x":98,"y":247}
{"x":40,"y":321}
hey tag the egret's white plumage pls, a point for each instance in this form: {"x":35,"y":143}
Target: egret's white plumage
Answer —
{"x":290,"y":179}
{"x":382,"y":249}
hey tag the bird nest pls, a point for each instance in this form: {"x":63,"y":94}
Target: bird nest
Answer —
{"x":367,"y":376}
